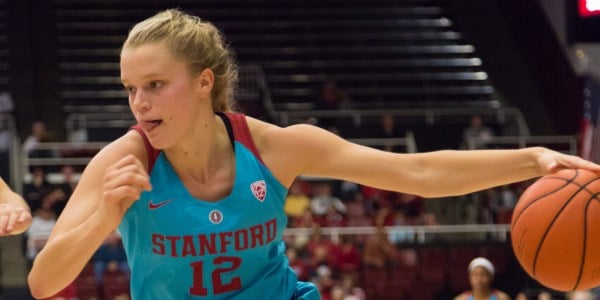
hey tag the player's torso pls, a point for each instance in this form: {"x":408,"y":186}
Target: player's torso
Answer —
{"x":179,"y":247}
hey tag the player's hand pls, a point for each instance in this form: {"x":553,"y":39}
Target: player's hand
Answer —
{"x":552,"y":161}
{"x":13,"y":219}
{"x":124,"y":182}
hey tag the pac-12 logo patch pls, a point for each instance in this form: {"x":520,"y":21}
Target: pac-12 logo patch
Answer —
{"x":259,"y":190}
{"x":215,"y":216}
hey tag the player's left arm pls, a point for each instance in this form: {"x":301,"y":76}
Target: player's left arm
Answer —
{"x":15,"y":216}
{"x":309,"y":150}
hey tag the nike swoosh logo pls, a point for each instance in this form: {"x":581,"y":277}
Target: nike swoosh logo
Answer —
{"x":153,"y":206}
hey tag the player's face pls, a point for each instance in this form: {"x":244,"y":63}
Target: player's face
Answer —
{"x":480,"y":279}
{"x":162,"y":94}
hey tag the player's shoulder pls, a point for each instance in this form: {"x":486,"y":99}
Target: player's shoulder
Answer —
{"x":463,"y":296}
{"x":502,"y":295}
{"x":131,"y":143}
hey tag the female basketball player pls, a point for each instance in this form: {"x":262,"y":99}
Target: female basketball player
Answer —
{"x":197,"y":191}
{"x":15,"y":216}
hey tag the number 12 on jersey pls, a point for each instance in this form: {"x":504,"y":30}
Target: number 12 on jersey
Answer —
{"x":219,"y":287}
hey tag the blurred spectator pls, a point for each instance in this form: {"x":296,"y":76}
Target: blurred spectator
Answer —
{"x":6,"y":142}
{"x":477,"y":129}
{"x":580,"y":295}
{"x":378,"y":250}
{"x":346,"y":257}
{"x":320,"y":251}
{"x":42,"y":223}
{"x":297,"y":264}
{"x":544,"y":295}
{"x":38,"y":134}
{"x":521,"y":296}
{"x":333,"y":218}
{"x":333,"y":97}
{"x":6,"y":103}
{"x":353,"y":292}
{"x":78,"y":133}
{"x":323,"y":280}
{"x":388,"y":129}
{"x":306,"y":221}
{"x":411,"y":205}
{"x":323,"y":201}
{"x":33,"y":191}
{"x":296,"y":202}
{"x":481,"y":275}
{"x":110,"y":257}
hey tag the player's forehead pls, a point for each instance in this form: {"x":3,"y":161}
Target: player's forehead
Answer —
{"x":148,"y":60}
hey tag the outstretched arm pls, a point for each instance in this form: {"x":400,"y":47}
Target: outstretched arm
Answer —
{"x":110,"y":183}
{"x":305,"y":149}
{"x":15,"y":216}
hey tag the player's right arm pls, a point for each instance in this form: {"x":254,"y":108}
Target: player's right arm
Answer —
{"x":111,"y":182}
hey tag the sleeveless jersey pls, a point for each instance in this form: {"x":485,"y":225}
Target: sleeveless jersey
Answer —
{"x":180,"y":247}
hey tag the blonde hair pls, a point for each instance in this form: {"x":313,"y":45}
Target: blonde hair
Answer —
{"x":199,"y":43}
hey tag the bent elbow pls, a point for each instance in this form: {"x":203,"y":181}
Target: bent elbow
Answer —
{"x":37,"y":287}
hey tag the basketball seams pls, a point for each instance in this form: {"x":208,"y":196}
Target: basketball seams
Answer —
{"x":557,"y":215}
{"x":516,"y":218}
{"x":584,"y":246}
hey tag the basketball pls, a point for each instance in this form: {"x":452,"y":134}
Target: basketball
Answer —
{"x":555,"y":230}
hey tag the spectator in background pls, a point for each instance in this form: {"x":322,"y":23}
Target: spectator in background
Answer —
{"x":78,"y":133}
{"x":6,"y":103}
{"x":346,"y":257}
{"x":477,"y":129}
{"x":378,"y":250}
{"x":297,"y":264}
{"x":324,"y":201}
{"x":481,"y":275}
{"x":296,"y":202}
{"x":333,"y":97}
{"x":33,"y":191}
{"x":42,"y":223}
{"x":6,"y":142}
{"x":388,"y":129}
{"x":38,"y":134}
{"x":110,"y":257}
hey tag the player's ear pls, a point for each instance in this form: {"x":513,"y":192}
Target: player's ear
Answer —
{"x":205,"y":80}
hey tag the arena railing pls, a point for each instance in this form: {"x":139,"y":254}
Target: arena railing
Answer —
{"x":418,"y":235}
{"x":564,"y":143}
{"x":427,"y":115}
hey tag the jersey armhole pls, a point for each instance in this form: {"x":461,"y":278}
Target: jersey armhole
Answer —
{"x":150,"y":151}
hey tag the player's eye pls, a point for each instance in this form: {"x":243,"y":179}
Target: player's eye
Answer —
{"x":155,"y":84}
{"x":129,"y":90}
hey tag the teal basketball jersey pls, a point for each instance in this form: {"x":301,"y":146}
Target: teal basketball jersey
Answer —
{"x":179,"y":247}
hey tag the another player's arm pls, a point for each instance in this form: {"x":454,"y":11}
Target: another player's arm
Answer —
{"x":305,"y":149}
{"x":94,"y":211}
{"x":15,"y":215}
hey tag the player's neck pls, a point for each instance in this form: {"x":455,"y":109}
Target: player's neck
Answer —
{"x":205,"y":153}
{"x":482,"y":295}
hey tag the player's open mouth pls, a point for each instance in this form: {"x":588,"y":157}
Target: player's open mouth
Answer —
{"x":150,"y":125}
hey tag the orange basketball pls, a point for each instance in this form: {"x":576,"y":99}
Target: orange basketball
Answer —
{"x":555,"y":230}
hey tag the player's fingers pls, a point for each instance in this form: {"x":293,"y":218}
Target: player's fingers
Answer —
{"x":12,"y":220}
{"x":126,"y":160}
{"x":4,"y":217}
{"x":124,"y":193}
{"x":24,"y":217}
{"x":128,"y":174}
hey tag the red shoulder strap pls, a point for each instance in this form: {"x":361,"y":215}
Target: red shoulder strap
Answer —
{"x":152,"y":153}
{"x":241,"y":133}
